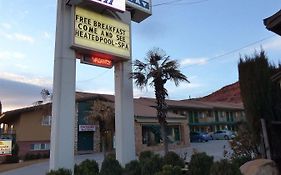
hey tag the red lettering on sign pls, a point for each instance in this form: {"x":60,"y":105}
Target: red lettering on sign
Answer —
{"x":102,"y":62}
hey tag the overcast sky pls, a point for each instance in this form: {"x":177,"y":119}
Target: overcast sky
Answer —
{"x":206,"y":36}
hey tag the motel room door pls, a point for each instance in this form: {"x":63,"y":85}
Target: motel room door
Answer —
{"x":85,"y":141}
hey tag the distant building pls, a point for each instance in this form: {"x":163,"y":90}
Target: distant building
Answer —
{"x":31,"y":126}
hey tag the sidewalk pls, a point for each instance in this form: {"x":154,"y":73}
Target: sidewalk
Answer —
{"x":43,"y":167}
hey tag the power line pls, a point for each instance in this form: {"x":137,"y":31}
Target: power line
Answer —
{"x":175,"y":2}
{"x":97,"y":76}
{"x":235,"y":50}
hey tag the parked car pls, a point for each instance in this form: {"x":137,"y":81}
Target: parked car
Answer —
{"x":199,"y":137}
{"x":222,"y":134}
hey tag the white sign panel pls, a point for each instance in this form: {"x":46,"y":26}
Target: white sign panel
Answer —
{"x":5,"y":147}
{"x":87,"y":128}
{"x":142,"y":9}
{"x":143,"y":5}
{"x":116,"y":4}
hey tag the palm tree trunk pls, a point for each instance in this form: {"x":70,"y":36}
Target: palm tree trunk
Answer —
{"x":103,"y":145}
{"x":164,"y":136}
{"x":160,"y":94}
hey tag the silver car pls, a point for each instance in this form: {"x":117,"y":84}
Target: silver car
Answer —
{"x":223,"y":135}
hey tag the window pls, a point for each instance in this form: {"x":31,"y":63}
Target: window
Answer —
{"x":46,"y":120}
{"x":216,"y":116}
{"x":40,"y":146}
{"x":151,"y":135}
{"x":196,"y":117}
{"x":191,"y":120}
{"x":173,"y":134}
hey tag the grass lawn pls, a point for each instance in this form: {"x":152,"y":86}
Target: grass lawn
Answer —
{"x":11,"y":166}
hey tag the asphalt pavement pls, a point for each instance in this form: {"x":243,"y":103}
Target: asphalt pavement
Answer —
{"x":214,"y":148}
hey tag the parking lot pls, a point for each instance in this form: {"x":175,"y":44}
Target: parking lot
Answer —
{"x":214,"y":148}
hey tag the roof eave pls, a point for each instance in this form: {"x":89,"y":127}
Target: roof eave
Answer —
{"x":273,"y":23}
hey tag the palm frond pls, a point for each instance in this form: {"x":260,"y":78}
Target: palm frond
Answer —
{"x":139,"y":65}
{"x":140,"y":79}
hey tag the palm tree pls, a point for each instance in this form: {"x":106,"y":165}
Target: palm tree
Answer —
{"x":156,"y":70}
{"x":102,"y":113}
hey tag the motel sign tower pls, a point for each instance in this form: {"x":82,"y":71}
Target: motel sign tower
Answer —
{"x":98,"y":32}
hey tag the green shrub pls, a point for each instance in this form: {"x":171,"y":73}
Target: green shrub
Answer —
{"x":171,"y":158}
{"x":150,"y":166}
{"x":170,"y":170}
{"x":145,"y":155}
{"x":239,"y":161}
{"x":12,"y":159}
{"x":110,"y":166}
{"x":111,"y":155}
{"x":38,"y":156}
{"x":200,"y":164}
{"x":30,"y":156}
{"x":46,"y":155}
{"x":15,"y":149}
{"x":133,"y":168}
{"x":224,"y":167}
{"x":87,"y":167}
{"x":60,"y":171}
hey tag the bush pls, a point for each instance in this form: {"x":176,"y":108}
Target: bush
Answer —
{"x":224,"y":167}
{"x":170,"y":170}
{"x":111,"y":155}
{"x":171,"y":158}
{"x":46,"y":155}
{"x":12,"y":159}
{"x":29,"y":156}
{"x":60,"y":171}
{"x":133,"y":168}
{"x":38,"y":156}
{"x":15,"y":149}
{"x":87,"y":167}
{"x":145,"y":155}
{"x":200,"y":164}
{"x":111,"y":166}
{"x":150,"y":166}
{"x":239,"y":161}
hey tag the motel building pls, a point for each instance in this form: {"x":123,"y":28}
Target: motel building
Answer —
{"x":31,"y":126}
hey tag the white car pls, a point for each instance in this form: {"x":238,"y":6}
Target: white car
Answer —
{"x":222,"y":134}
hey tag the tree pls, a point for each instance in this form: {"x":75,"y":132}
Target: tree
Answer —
{"x":45,"y":94}
{"x":102,"y":112}
{"x":156,"y":70}
{"x":255,"y":85}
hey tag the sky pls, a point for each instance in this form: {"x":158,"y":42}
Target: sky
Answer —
{"x":207,"y":38}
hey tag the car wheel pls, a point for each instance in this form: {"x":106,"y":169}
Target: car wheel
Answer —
{"x":226,"y":137}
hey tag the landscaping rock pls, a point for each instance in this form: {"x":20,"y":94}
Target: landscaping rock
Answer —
{"x":259,"y":167}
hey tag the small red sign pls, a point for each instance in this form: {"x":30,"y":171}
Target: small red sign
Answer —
{"x":97,"y":60}
{"x":102,"y":62}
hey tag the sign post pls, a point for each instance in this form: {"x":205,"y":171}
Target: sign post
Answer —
{"x":98,"y":33}
{"x":63,"y":107}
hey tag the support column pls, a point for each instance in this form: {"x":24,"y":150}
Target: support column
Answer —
{"x":124,"y":114}
{"x":63,"y":107}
